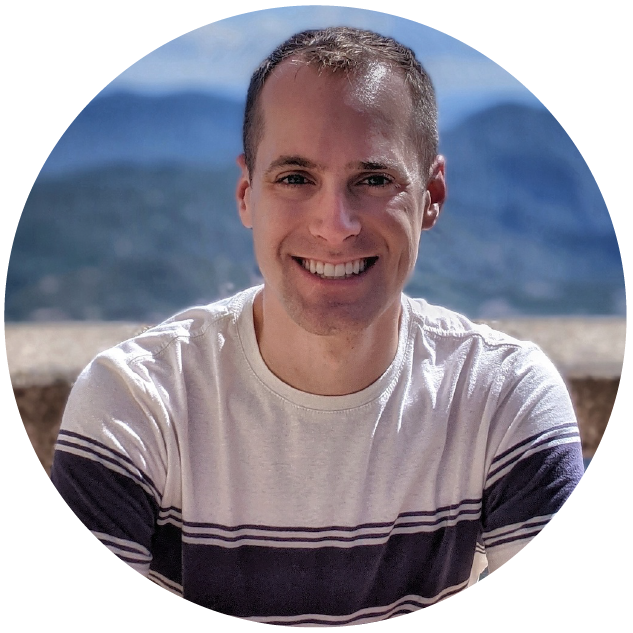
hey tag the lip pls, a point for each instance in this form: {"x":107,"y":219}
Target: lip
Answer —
{"x":340,"y":280}
{"x":340,"y":260}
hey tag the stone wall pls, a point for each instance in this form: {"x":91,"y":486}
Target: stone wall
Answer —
{"x":45,"y":359}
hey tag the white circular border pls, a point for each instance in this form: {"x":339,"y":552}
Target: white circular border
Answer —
{"x":59,"y":55}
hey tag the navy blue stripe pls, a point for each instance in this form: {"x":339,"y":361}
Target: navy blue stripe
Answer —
{"x":531,"y":524}
{"x":104,"y":500}
{"x":167,"y":549}
{"x":538,"y":485}
{"x":164,"y":582}
{"x":253,"y":581}
{"x":321,"y":539}
{"x":139,"y":478}
{"x":401,"y":610}
{"x":522,"y":537}
{"x":532,"y":438}
{"x":543,"y":442}
{"x":126,"y":548}
{"x":168,"y":518}
{"x":105,"y":447}
{"x":130,"y":560}
{"x":143,"y":478}
{"x":171,"y":509}
{"x":366,"y":616}
{"x":339,"y":528}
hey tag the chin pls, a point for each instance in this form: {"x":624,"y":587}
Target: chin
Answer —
{"x":332,"y":318}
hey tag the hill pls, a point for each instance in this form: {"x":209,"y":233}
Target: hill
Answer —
{"x":149,"y":225}
{"x":122,"y":127}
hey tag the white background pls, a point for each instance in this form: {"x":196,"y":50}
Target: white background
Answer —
{"x":58,"y":55}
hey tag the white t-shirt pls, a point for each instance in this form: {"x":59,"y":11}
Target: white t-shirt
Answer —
{"x":195,"y":464}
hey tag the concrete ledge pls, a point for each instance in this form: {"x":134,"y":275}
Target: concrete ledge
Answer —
{"x":580,"y":347}
{"x":588,"y":352}
{"x":41,"y":354}
{"x":45,"y":359}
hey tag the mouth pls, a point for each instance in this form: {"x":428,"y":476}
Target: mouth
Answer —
{"x":326,"y":270}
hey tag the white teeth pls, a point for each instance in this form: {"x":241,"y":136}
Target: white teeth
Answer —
{"x":335,"y":270}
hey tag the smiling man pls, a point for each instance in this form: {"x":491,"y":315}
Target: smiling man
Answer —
{"x":323,"y":449}
{"x":337,"y":195}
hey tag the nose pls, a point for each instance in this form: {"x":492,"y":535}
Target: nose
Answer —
{"x":334,"y":218}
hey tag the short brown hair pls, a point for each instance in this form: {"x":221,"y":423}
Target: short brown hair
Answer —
{"x":347,"y":49}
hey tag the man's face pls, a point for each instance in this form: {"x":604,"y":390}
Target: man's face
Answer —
{"x":337,"y":200}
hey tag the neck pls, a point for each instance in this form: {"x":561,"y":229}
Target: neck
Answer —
{"x":333,"y":365}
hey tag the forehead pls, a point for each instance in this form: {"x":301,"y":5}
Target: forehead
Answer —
{"x":299,"y":101}
{"x":367,"y":87}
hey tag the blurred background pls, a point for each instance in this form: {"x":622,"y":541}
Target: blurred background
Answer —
{"x":133,"y":217}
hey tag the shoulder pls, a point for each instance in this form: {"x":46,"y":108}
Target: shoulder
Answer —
{"x":140,"y":386}
{"x":488,"y":359}
{"x":196,"y":326}
{"x":442,"y":326}
{"x":145,"y":368}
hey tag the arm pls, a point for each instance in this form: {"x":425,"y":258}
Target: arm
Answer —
{"x":538,"y":461}
{"x":110,"y":457}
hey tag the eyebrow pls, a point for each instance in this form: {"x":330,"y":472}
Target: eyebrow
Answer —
{"x":372,"y":166}
{"x":291,"y":161}
{"x":300,"y":161}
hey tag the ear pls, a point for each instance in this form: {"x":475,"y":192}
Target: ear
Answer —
{"x":435,"y":193}
{"x":243,"y":193}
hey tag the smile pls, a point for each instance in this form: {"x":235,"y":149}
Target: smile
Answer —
{"x":325,"y":270}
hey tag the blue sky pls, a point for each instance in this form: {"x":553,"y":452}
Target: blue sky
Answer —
{"x":221,"y":56}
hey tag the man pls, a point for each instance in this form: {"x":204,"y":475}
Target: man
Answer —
{"x":323,"y":449}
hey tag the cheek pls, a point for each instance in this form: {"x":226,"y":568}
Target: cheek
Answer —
{"x":410,"y":231}
{"x":405,"y":227}
{"x":270,"y":232}
{"x":261,"y":236}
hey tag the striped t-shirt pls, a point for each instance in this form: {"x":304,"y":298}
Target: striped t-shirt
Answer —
{"x":195,"y":464}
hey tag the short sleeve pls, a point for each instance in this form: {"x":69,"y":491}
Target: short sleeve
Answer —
{"x":538,"y":460}
{"x":110,"y":457}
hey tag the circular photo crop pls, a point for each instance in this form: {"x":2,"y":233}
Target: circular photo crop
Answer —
{"x":315,"y":316}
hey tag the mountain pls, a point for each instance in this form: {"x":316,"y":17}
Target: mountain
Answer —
{"x":133,"y":217}
{"x":122,"y":127}
{"x":127,"y":243}
{"x":525,"y":228}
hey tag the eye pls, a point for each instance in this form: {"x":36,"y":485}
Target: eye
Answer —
{"x":294,"y":179}
{"x":376,"y":180}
